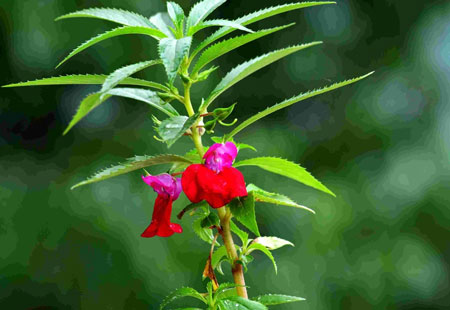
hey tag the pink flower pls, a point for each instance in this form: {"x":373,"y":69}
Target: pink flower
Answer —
{"x":168,"y":189}
{"x":215,"y":181}
{"x":220,"y":156}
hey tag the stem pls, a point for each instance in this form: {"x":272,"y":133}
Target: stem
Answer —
{"x":236,"y":269}
{"x":190,"y":110}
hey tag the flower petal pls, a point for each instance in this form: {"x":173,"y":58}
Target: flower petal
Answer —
{"x":160,"y":224}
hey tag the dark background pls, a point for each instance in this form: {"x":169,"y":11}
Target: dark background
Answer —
{"x":382,"y":145}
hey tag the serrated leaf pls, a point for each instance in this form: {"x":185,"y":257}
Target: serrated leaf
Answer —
{"x":243,"y":210}
{"x":246,"y":304}
{"x":171,"y":129}
{"x":200,"y":11}
{"x":122,"y":73}
{"x":132,"y":164}
{"x":275,"y":198}
{"x":94,"y":100}
{"x":223,"y":47}
{"x":163,"y":22}
{"x":272,"y":243}
{"x":172,"y":53}
{"x":276,"y":299}
{"x":254,"y":17}
{"x":176,"y":13}
{"x":217,"y":22}
{"x":285,"y":168}
{"x":260,"y":247}
{"x":239,"y":232}
{"x":245,"y":69}
{"x":182,"y":292}
{"x":155,"y":33}
{"x":88,"y":79}
{"x":291,"y":101}
{"x":205,"y":234}
{"x":147,"y":96}
{"x":114,"y":15}
{"x":87,"y":105}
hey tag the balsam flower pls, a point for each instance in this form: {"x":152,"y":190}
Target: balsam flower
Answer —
{"x":215,"y":181}
{"x":168,"y":189}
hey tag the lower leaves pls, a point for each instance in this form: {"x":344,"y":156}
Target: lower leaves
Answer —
{"x":224,"y":297}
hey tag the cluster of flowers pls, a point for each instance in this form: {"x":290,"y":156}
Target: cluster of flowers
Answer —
{"x":215,"y":181}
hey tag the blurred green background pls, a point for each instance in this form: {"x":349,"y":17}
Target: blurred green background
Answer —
{"x":382,"y":145}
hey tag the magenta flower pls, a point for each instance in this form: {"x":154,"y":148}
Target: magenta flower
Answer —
{"x":215,"y":181}
{"x":220,"y":156}
{"x":168,"y":189}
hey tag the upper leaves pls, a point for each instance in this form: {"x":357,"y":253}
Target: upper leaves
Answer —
{"x":134,"y":163}
{"x":285,"y":168}
{"x":87,"y":79}
{"x":172,"y":53}
{"x":243,"y":209}
{"x":201,"y":10}
{"x":291,"y":101}
{"x":247,"y":68}
{"x":176,"y":13}
{"x":171,"y":129}
{"x":115,"y":15}
{"x":94,"y":100}
{"x":114,"y":33}
{"x":254,"y":17}
{"x":226,"y":46}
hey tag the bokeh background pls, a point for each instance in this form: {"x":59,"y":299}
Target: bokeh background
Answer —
{"x":382,"y":145}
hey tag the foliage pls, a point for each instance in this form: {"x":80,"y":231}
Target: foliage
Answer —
{"x":174,"y":33}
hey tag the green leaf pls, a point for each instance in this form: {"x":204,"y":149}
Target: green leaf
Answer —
{"x":239,"y":232}
{"x":87,"y":105}
{"x":272,"y":243}
{"x":246,"y":304}
{"x":276,"y":299}
{"x":217,"y":22}
{"x":200,"y":11}
{"x":218,"y":256}
{"x":171,"y":129}
{"x":260,"y":247}
{"x":291,"y":101}
{"x":114,"y":33}
{"x":211,"y":220}
{"x":94,"y":100}
{"x":245,"y":69}
{"x":286,"y":168}
{"x":88,"y":79}
{"x":132,"y":164}
{"x":188,"y":309}
{"x":122,"y":73}
{"x":254,"y":17}
{"x":182,"y":292}
{"x":163,"y":22}
{"x":172,"y":53}
{"x":114,"y":15}
{"x":275,"y":198}
{"x":243,"y":210}
{"x":176,"y":13}
{"x":205,"y":234}
{"x":192,"y":206}
{"x":223,"y":47}
{"x":146,"y":96}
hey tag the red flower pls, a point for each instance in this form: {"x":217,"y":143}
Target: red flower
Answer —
{"x":217,"y":184}
{"x":168,"y":189}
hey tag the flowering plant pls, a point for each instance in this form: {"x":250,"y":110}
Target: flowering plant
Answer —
{"x":209,"y":178}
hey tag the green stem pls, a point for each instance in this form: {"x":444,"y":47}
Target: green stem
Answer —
{"x":236,"y":268}
{"x":190,"y":110}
